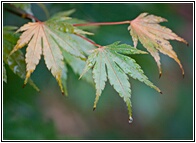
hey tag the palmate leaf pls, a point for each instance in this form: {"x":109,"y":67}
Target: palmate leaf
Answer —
{"x":51,"y":39}
{"x":16,"y":61}
{"x":118,"y":67}
{"x":154,"y":37}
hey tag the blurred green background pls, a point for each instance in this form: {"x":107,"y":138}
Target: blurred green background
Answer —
{"x":47,"y":114}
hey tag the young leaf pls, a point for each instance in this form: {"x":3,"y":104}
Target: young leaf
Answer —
{"x":118,"y":67}
{"x":16,"y":62}
{"x":154,"y":37}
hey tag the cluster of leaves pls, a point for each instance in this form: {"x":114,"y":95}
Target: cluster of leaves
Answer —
{"x":61,"y":42}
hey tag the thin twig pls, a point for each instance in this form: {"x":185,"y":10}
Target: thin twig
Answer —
{"x":21,"y":13}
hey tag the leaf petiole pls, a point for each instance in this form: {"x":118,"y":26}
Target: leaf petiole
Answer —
{"x":90,"y":41}
{"x":102,"y":23}
{"x":98,"y":24}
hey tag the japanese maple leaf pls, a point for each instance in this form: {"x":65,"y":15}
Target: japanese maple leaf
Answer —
{"x":154,"y":37}
{"x":118,"y":67}
{"x":43,"y":39}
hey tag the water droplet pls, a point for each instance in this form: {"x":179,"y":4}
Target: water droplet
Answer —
{"x":130,"y":120}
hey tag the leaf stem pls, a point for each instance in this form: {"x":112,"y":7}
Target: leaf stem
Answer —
{"x":102,"y":23}
{"x":97,"y":24}
{"x":21,"y":13}
{"x":95,"y":44}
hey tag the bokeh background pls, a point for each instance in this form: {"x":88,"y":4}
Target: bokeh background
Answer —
{"x":48,"y":115}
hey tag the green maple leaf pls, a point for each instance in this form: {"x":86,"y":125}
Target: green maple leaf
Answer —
{"x":119,"y":66}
